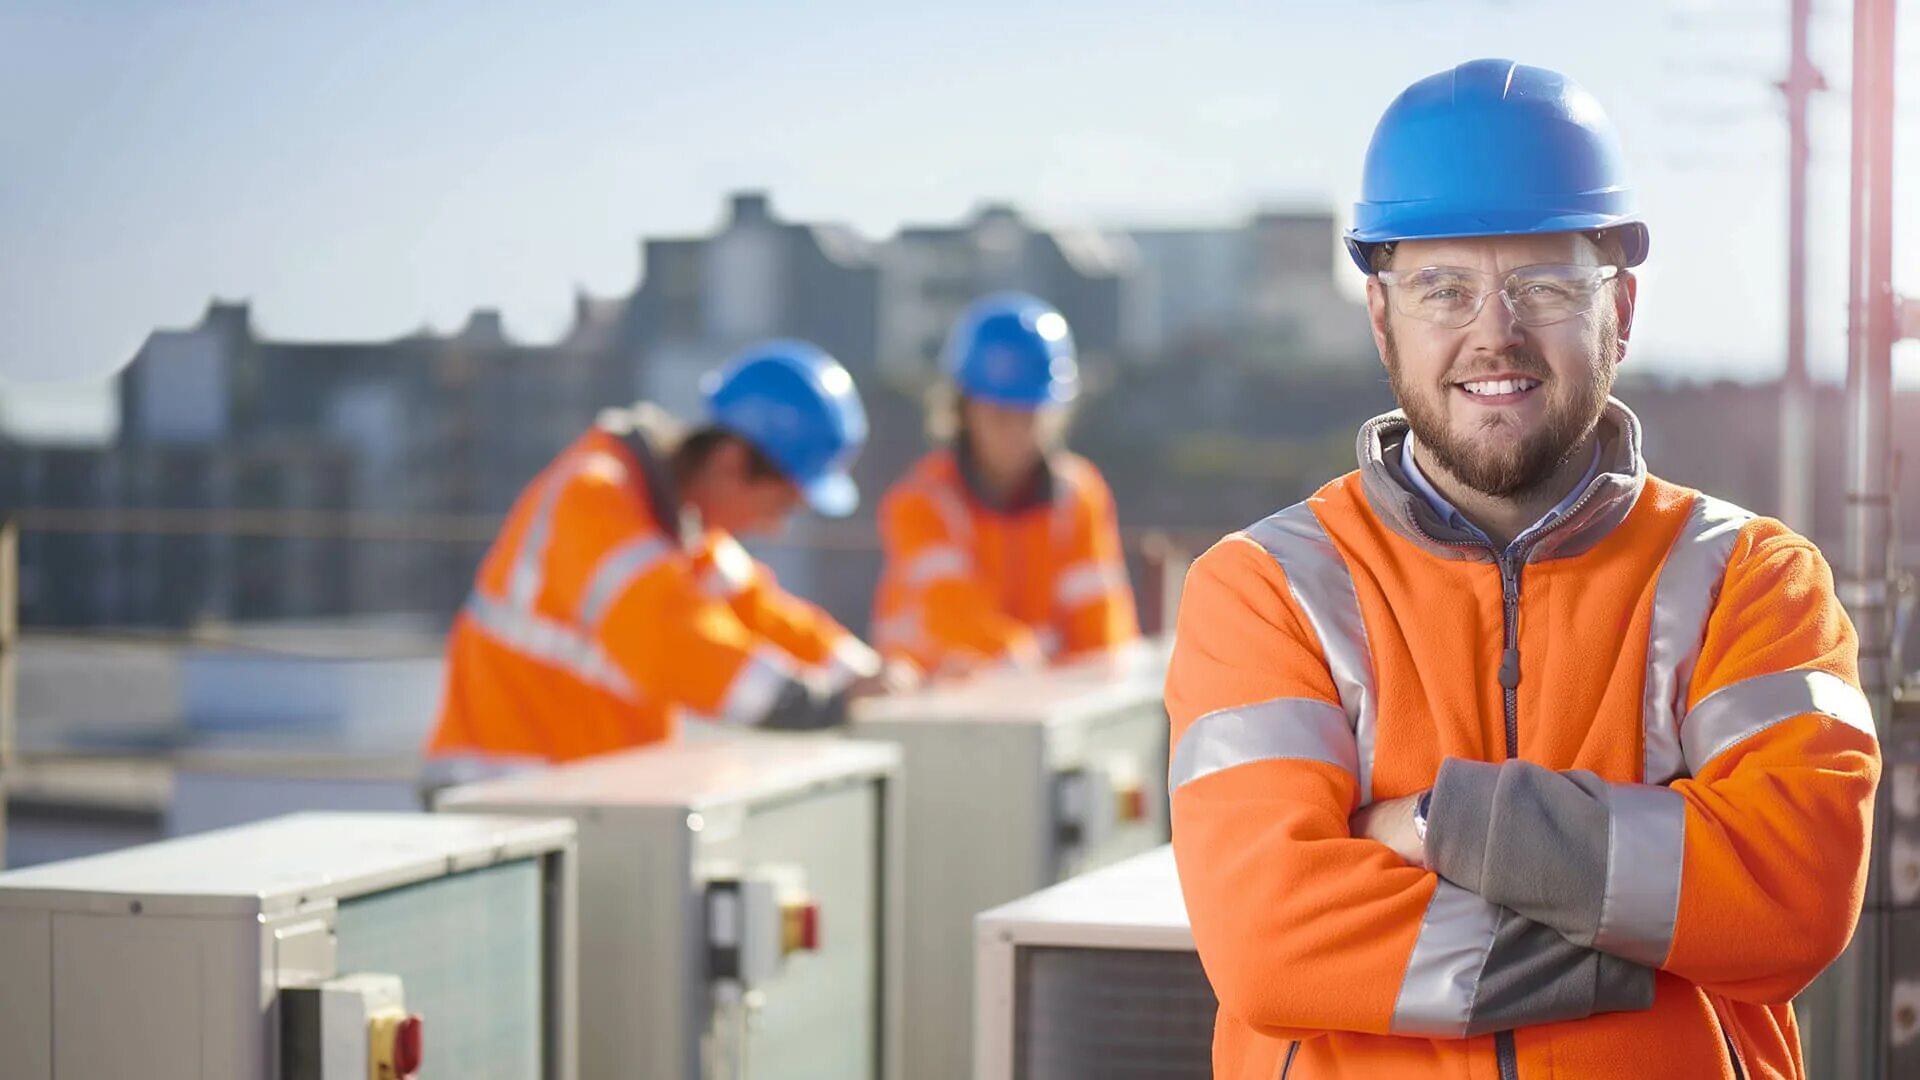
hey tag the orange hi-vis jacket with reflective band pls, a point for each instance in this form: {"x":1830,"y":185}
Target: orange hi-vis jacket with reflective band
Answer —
{"x":1652,"y":774}
{"x":593,"y":625}
{"x":968,"y":586}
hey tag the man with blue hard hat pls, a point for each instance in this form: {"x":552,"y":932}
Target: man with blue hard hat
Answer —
{"x":616,"y":600}
{"x":1500,"y":757}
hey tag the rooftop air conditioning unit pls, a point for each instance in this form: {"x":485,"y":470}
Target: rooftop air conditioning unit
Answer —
{"x":1013,"y":782}
{"x":1094,"y":977}
{"x":739,"y":904}
{"x":309,"y":947}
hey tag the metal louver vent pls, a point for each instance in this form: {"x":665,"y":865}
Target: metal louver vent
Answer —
{"x":1139,"y":1014}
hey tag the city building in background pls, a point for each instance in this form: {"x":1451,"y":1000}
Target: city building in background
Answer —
{"x":929,"y":274}
{"x":1261,"y":289}
{"x":260,"y":479}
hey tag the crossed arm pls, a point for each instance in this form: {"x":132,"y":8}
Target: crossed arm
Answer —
{"x":1537,"y":896}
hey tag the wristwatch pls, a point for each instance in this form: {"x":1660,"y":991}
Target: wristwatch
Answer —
{"x":1420,"y":808}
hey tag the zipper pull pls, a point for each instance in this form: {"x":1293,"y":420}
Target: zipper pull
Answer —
{"x":1510,"y":667}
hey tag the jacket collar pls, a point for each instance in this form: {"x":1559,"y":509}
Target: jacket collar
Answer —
{"x":1605,"y":503}
{"x":646,"y":432}
{"x":1041,"y":490}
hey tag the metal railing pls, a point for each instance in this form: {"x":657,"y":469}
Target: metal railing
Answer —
{"x":1156,"y":557}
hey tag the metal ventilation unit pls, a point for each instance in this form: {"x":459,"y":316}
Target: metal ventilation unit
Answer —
{"x":1013,"y":782}
{"x":740,"y":904}
{"x":309,"y":947}
{"x":1093,"y":977}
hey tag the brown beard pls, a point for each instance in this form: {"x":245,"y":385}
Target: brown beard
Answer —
{"x":1502,"y":473}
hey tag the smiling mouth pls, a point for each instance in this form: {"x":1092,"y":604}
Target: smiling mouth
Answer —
{"x":1498,"y":388}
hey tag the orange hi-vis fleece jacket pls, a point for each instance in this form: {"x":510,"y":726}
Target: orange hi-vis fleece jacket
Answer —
{"x":966,"y":585}
{"x":594,"y":624}
{"x":1652,"y":772}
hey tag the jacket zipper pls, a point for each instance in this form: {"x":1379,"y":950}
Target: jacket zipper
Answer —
{"x":1287,"y":1065}
{"x":1503,"y":1043}
{"x":1504,"y":1050}
{"x":1510,"y":654}
{"x":1726,"y":1033}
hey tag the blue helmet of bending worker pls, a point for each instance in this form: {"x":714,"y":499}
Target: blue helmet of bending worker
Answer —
{"x":1014,"y":350}
{"x":795,"y":404}
{"x":1494,"y":148}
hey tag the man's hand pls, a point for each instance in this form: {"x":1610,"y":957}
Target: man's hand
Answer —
{"x":1391,"y":823}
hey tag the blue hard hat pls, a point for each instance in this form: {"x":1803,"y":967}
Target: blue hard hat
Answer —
{"x":1015,"y":350}
{"x":797,"y":405}
{"x":1493,"y":148}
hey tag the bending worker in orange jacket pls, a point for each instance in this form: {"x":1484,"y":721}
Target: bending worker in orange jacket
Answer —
{"x":616,"y":598}
{"x":1500,"y":757}
{"x":1004,"y":549}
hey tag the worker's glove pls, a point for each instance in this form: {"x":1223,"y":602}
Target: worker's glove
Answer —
{"x":805,"y":706}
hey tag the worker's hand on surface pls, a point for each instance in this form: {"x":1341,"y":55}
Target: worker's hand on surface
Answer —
{"x":807,"y":706}
{"x":900,"y":676}
{"x":897,"y":677}
{"x":870,"y":686}
{"x":1390,"y":822}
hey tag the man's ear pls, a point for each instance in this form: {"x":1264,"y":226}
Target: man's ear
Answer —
{"x":1624,"y":298}
{"x":1377,"y":316}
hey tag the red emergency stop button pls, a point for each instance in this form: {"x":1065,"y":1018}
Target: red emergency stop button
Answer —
{"x":406,"y":1047}
{"x":799,"y":927}
{"x":393,"y":1044}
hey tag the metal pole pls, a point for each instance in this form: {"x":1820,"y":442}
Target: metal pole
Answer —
{"x":1870,"y":337}
{"x":9,"y":658}
{"x":1849,"y":1008}
{"x":1796,"y":395}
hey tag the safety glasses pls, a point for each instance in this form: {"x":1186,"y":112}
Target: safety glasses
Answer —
{"x":1452,"y":296}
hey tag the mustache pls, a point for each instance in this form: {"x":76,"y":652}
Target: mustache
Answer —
{"x":1522,"y":364}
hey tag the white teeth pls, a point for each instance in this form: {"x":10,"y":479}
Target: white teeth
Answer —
{"x":1496,"y":387}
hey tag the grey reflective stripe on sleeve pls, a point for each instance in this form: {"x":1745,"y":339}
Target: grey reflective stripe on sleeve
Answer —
{"x":1300,"y":729}
{"x":550,"y":642}
{"x":849,"y":661}
{"x":951,"y":511}
{"x":902,"y":630}
{"x":1750,"y":706}
{"x":1688,"y":587}
{"x":936,"y":564}
{"x":1084,"y":582}
{"x":1048,"y":639}
{"x":730,"y":570}
{"x":524,"y":580}
{"x":618,"y":569}
{"x":1321,"y":585}
{"x":756,"y":686}
{"x":1646,"y":847}
{"x":1064,"y":500}
{"x":1443,"y":971}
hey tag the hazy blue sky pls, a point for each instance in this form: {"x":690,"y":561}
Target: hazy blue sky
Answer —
{"x":358,"y":169}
